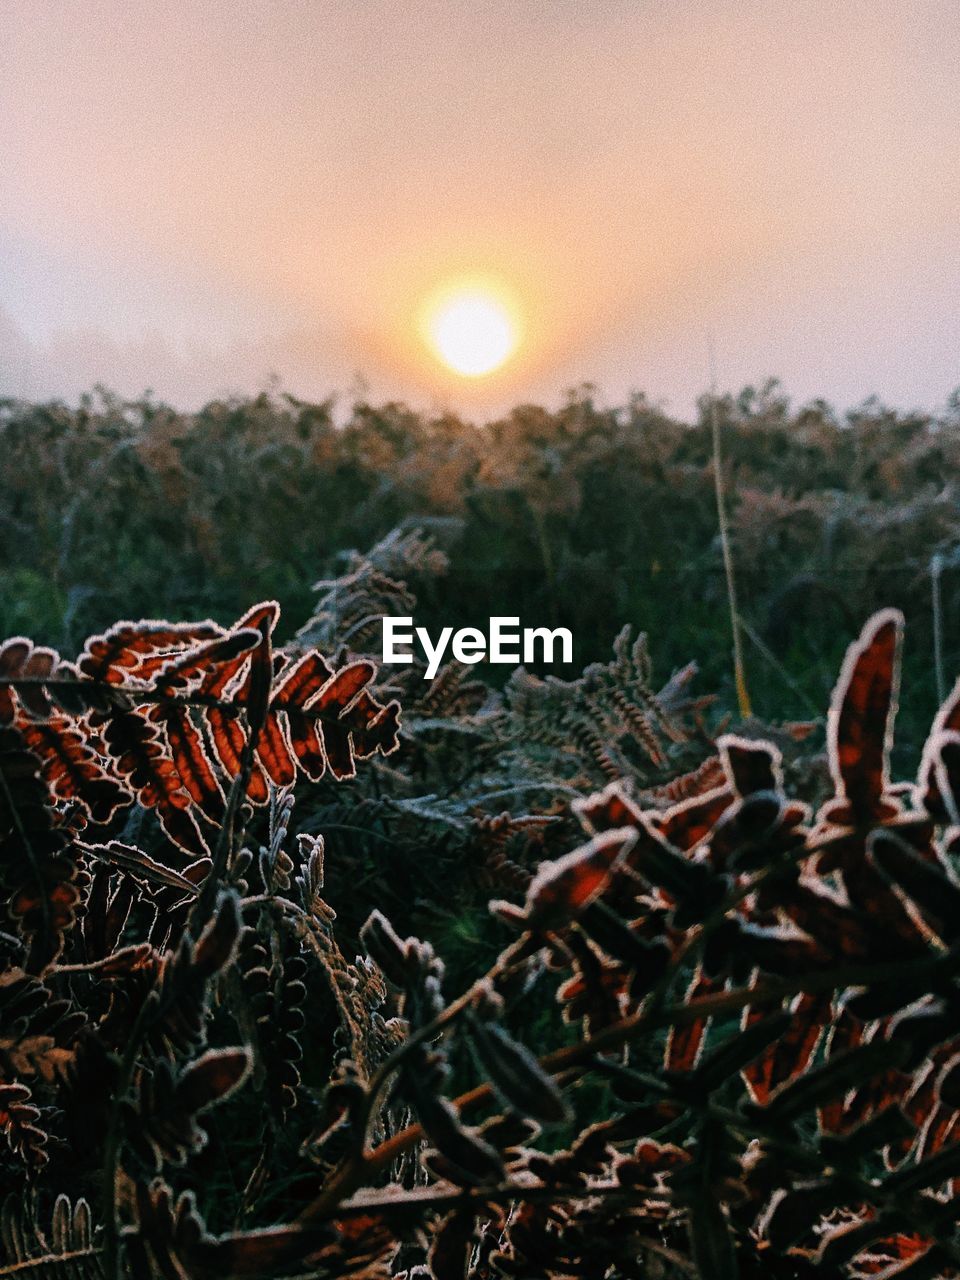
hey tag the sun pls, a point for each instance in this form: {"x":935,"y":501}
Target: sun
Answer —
{"x":471,"y":330}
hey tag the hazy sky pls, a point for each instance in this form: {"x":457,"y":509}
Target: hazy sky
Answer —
{"x":197,"y":194}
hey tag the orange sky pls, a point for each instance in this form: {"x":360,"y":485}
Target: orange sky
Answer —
{"x":197,"y":194}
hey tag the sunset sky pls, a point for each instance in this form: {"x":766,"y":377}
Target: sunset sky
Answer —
{"x":198,"y":194}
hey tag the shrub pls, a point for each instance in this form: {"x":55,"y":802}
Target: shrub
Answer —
{"x":585,"y":517}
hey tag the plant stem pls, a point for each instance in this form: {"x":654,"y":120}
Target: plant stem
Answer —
{"x":114,"y":1138}
{"x":936,"y":571}
{"x":739,"y":670}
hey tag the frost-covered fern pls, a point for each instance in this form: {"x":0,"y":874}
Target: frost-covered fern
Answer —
{"x":372,"y":584}
{"x":609,"y":722}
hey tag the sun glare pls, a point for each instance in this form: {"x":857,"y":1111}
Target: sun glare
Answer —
{"x":471,"y":331}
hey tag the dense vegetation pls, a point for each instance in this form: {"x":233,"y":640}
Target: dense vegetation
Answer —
{"x":588,"y":517}
{"x":709,"y":1024}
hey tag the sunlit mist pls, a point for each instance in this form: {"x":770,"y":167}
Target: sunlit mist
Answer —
{"x":205,"y":194}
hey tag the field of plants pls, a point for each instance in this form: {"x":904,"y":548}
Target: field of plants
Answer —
{"x":316,"y":968}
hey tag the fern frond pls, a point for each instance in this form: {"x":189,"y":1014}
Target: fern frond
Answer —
{"x":62,"y":1247}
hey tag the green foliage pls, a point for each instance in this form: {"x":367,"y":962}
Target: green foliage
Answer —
{"x":586,"y":517}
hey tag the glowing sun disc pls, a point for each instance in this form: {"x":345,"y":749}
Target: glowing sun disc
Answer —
{"x":472,"y":333}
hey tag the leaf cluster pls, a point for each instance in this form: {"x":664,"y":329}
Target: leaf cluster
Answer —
{"x":195,"y":1080}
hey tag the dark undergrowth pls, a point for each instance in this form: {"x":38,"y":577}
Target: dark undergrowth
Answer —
{"x":312,"y":967}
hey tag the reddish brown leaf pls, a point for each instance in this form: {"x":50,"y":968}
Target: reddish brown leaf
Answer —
{"x":792,"y":1053}
{"x":307,"y":744}
{"x":301,"y":682}
{"x":373,"y":727}
{"x":228,"y":739}
{"x":945,"y":726}
{"x":938,"y":786}
{"x":860,"y":722}
{"x":202,"y":660}
{"x":212,"y":1077}
{"x":750,"y":766}
{"x":338,"y":749}
{"x":690,"y":822}
{"x":594,"y":995}
{"x":274,"y":753}
{"x":255,"y":691}
{"x":607,"y":809}
{"x":13,"y":654}
{"x":71,"y":769}
{"x":133,"y":743}
{"x":845,"y":1033}
{"x":189,"y":755}
{"x":565,"y":886}
{"x":342,"y":687}
{"x":685,"y":1042}
{"x":120,"y":652}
